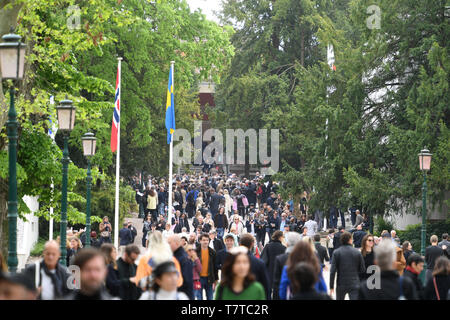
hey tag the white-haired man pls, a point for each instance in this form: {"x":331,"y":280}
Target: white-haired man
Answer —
{"x":387,"y":283}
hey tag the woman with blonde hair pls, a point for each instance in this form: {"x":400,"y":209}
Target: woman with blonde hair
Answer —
{"x":199,"y":201}
{"x":209,"y":220}
{"x":158,"y":251}
{"x":228,"y":202}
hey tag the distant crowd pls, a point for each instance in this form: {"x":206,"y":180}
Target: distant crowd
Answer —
{"x":233,"y":238}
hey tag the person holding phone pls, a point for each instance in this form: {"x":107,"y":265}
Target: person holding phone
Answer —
{"x":105,"y":231}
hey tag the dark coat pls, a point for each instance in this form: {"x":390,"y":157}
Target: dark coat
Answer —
{"x":358,"y":235}
{"x":214,"y":203}
{"x":280,"y":262}
{"x":213,"y":272}
{"x":259,"y":270}
{"x":417,"y":283}
{"x":269,"y":254}
{"x":102,"y":294}
{"x":220,"y":259}
{"x":127,"y":289}
{"x":389,"y":288}
{"x":322,"y":253}
{"x":62,"y":274}
{"x":125,"y":236}
{"x":337,"y":240}
{"x":276,"y":221}
{"x":218,"y":244}
{"x":310,"y":294}
{"x":443,"y":286}
{"x":186,"y":271}
{"x":222,"y":218}
{"x":183,"y":223}
{"x":348,"y":263}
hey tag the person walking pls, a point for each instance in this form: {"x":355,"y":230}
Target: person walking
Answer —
{"x":166,"y":277}
{"x":269,"y":254}
{"x":367,"y":245}
{"x":257,"y":266}
{"x":303,"y":278}
{"x":238,"y":283}
{"x":292,"y":238}
{"x":185,"y":264}
{"x":358,"y":235}
{"x":438,"y":287}
{"x":93,"y":271}
{"x":125,"y":236}
{"x":312,"y":227}
{"x":302,"y":252}
{"x":52,"y":276}
{"x":348,"y":263}
{"x":209,"y":274}
{"x":152,"y":202}
{"x":431,"y":254}
{"x":391,"y":285}
{"x":322,"y":252}
{"x":196,"y":270}
{"x":221,"y":222}
{"x":414,"y":267}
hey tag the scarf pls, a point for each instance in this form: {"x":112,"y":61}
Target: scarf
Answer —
{"x":410,"y":269}
{"x":56,"y":278}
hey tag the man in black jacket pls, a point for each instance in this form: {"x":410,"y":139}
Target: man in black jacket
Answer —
{"x":322,"y":252}
{"x":336,"y":238}
{"x":390,"y":285}
{"x":271,"y":251}
{"x":126,"y":268}
{"x":431,"y":254}
{"x":414,"y":266}
{"x":214,"y":202}
{"x":209,"y":274}
{"x":257,"y":267}
{"x":217,"y":243}
{"x":52,"y":275}
{"x":292,"y":238}
{"x":185,"y":265}
{"x":348,"y":263}
{"x":358,"y":235}
{"x":222,"y":254}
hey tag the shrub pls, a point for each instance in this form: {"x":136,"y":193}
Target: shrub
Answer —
{"x":413,"y":233}
{"x":381,"y":224}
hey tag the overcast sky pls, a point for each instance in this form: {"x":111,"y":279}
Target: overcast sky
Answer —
{"x":207,"y":7}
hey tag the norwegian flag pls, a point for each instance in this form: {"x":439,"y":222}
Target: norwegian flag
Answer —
{"x":116,"y":114}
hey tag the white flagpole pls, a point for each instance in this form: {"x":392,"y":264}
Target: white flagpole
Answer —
{"x":116,"y":211}
{"x":52,"y":135}
{"x":169,"y":210}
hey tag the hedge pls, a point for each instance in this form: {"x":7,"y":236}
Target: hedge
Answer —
{"x":413,"y":233}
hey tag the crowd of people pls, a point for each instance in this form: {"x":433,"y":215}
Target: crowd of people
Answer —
{"x":214,"y":246}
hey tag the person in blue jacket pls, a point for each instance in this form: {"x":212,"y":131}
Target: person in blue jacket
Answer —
{"x":303,"y":252}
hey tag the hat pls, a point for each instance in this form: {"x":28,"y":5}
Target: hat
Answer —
{"x":20,"y":279}
{"x":165,"y":267}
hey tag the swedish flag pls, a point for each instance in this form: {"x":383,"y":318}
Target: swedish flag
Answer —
{"x":170,"y":107}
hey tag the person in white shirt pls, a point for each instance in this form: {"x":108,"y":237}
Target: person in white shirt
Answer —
{"x":312,"y":227}
{"x":168,"y":231}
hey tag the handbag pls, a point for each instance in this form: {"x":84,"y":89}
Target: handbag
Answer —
{"x":245,"y":201}
{"x":234,"y":205}
{"x":197,"y":285}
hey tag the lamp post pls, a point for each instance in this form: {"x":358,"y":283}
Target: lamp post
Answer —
{"x":424,"y":163}
{"x":89,"y":144}
{"x":66,"y":120}
{"x":12,"y":60}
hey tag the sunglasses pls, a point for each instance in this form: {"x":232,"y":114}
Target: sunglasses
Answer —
{"x":371,"y":240}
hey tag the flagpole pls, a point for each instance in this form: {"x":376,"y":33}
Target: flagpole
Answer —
{"x":116,"y":210}
{"x":169,"y":210}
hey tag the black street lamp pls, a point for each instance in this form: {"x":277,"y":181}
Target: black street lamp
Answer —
{"x":89,"y":144}
{"x":12,"y":61}
{"x":66,"y":120}
{"x":424,"y":163}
